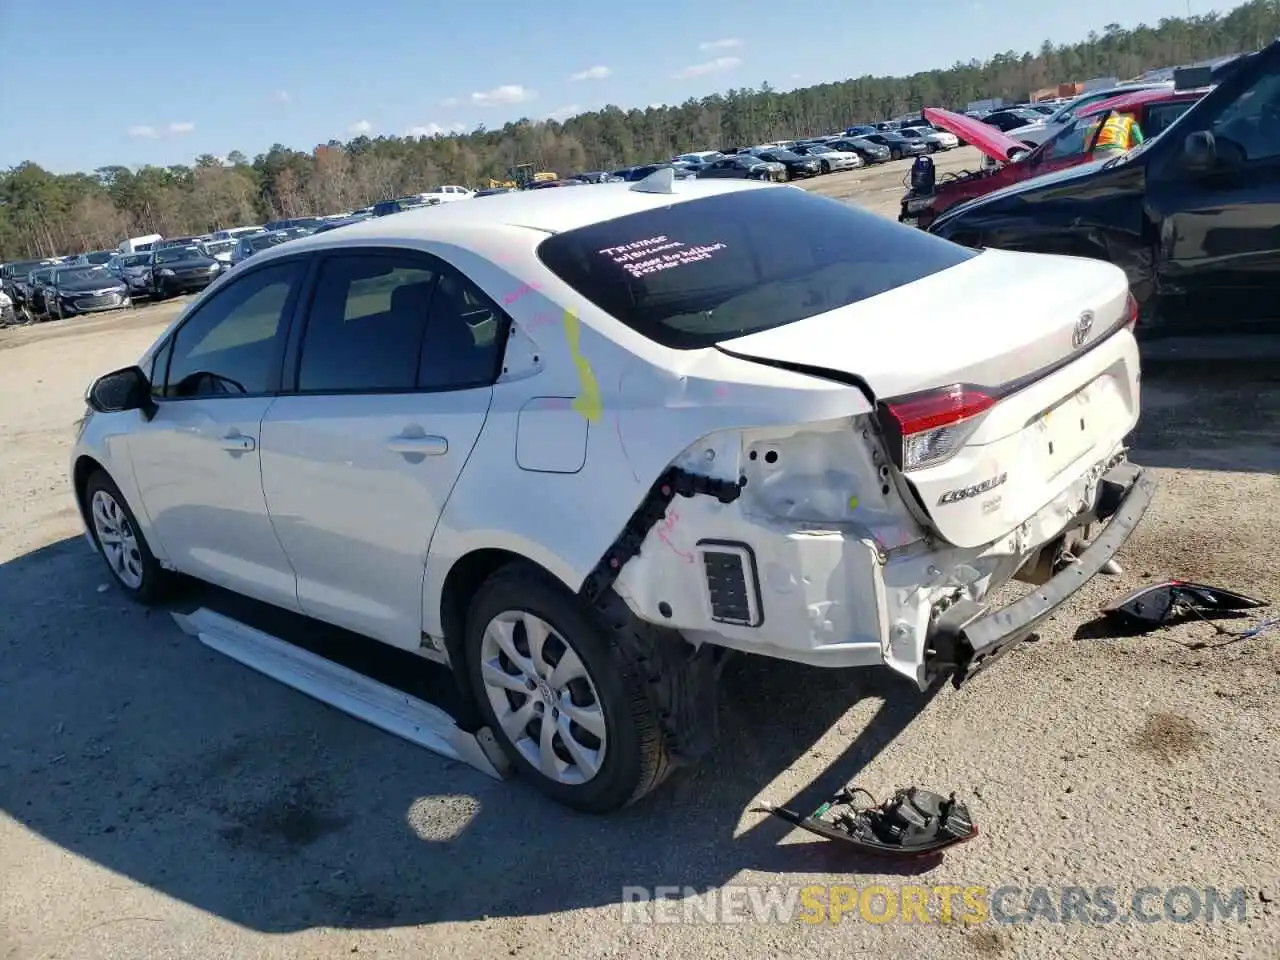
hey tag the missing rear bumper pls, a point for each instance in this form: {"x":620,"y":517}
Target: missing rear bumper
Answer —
{"x":968,"y":637}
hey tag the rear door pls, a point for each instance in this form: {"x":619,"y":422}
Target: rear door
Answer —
{"x":1219,"y":230}
{"x":387,"y":388}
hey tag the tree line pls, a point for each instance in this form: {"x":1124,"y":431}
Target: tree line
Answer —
{"x":42,"y":213}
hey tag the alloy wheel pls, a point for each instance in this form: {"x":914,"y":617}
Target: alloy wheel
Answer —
{"x":117,"y":538}
{"x":543,"y":697}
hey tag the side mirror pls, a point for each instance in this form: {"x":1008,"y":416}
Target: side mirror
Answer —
{"x":1199,"y":152}
{"x":121,"y":390}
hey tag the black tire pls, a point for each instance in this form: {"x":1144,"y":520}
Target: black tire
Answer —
{"x":156,"y":582}
{"x":636,"y":759}
{"x":895,"y":154}
{"x":824,"y":167}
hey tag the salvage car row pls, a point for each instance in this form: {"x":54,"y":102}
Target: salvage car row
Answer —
{"x":57,"y":288}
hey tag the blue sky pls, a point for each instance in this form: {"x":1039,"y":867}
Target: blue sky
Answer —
{"x":86,"y":83}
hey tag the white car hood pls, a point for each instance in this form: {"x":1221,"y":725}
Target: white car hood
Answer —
{"x":1008,"y":315}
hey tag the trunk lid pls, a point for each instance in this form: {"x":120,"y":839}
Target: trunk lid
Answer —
{"x":1011,"y":325}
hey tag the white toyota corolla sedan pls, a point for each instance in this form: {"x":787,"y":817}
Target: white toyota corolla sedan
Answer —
{"x":578,"y":443}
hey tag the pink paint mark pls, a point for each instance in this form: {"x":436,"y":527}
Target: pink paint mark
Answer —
{"x":721,"y":392}
{"x":617,"y":427}
{"x":522,"y":290}
{"x":665,"y":529}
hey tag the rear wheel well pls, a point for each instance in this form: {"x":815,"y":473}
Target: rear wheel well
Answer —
{"x":460,"y":586}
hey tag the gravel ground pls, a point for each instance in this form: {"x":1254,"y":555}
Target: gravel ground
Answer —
{"x":157,"y":800}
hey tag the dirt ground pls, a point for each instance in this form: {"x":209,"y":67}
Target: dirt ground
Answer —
{"x":157,"y":800}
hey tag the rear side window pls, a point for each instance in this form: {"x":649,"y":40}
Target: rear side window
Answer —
{"x":693,"y":274}
{"x":366,"y":323}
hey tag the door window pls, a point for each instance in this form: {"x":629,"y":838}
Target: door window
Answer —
{"x":366,"y":322}
{"x":230,"y":345}
{"x":1251,"y":124}
{"x":466,"y":334}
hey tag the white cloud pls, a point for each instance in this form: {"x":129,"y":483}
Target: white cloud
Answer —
{"x":449,"y":102}
{"x":728,"y":43}
{"x":591,"y":73}
{"x":436,"y":130}
{"x":179,"y":128}
{"x":564,"y":113}
{"x":718,"y":65}
{"x":143,"y":131}
{"x":505,"y":94}
{"x":361,"y":127}
{"x":657,"y":106}
{"x":282,"y":96}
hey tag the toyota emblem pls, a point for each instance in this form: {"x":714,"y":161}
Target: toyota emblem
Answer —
{"x":1082,"y":329}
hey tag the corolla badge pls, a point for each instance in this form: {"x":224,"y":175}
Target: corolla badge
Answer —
{"x":966,"y":493}
{"x":1082,"y":329}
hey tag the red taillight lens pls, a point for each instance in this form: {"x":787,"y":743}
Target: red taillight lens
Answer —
{"x":925,"y":429}
{"x":940,"y":408}
{"x":1131,"y":315}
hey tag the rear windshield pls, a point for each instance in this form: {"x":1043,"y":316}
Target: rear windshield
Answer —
{"x":693,"y":274}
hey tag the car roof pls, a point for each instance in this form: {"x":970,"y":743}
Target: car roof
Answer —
{"x":542,"y":211}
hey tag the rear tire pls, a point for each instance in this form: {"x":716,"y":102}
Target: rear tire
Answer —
{"x":124,"y":549}
{"x":538,"y":654}
{"x":895,"y":154}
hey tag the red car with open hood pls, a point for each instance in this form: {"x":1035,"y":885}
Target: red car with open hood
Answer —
{"x":1069,"y":147}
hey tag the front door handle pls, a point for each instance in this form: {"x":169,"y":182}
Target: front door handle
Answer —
{"x":238,"y":443}
{"x":419,"y":446}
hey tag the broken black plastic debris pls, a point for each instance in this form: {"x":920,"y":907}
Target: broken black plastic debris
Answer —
{"x":1160,"y":604}
{"x":911,"y":823}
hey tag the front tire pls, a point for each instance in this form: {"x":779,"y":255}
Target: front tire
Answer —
{"x":567,"y":702}
{"x":824,"y":167}
{"x":120,"y":541}
{"x":895,"y":154}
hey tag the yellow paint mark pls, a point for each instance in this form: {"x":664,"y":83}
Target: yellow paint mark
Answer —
{"x":853,"y":503}
{"x":588,"y":403}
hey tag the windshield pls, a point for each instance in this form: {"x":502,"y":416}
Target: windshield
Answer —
{"x":136,"y":260}
{"x":41,"y":275}
{"x":99,"y":256}
{"x":818,"y":148}
{"x":781,"y":155}
{"x":174,"y":254}
{"x":24,"y":267}
{"x":218,"y":246}
{"x":84,"y":275}
{"x":696,"y":273}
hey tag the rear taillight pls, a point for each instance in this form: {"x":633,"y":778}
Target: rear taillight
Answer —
{"x":1131,"y":312}
{"x":924,"y":429}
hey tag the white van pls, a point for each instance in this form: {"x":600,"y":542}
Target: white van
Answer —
{"x":138,"y":244}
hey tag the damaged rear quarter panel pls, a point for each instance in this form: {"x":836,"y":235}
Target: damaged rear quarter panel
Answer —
{"x":819,"y":511}
{"x":647,"y":404}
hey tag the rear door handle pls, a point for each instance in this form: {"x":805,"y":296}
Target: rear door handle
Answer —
{"x":238,"y":443}
{"x":421,"y":446}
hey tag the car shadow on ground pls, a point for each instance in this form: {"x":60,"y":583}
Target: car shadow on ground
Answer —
{"x":128,"y":743}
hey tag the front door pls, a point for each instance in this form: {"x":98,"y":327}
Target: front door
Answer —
{"x":393,"y":381}
{"x":1219,"y":240}
{"x":197,"y":461}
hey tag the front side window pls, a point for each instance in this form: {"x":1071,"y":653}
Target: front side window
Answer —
{"x":366,"y":323}
{"x":696,"y":273}
{"x":230,"y":345}
{"x":1250,"y":125}
{"x":1162,"y":115}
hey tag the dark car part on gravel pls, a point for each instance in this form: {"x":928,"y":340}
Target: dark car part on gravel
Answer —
{"x":911,"y":823}
{"x":1161,"y":604}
